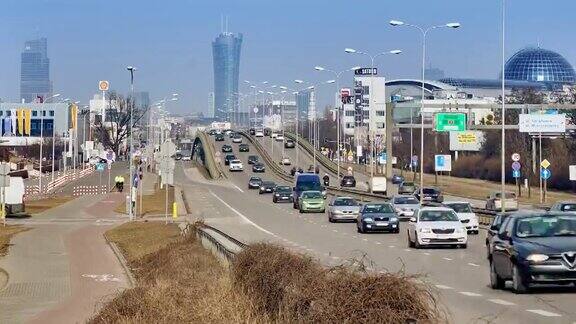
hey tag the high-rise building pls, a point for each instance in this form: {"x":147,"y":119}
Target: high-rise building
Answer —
{"x":35,"y":71}
{"x":303,"y":103}
{"x":212,"y":113}
{"x":226,"y":56}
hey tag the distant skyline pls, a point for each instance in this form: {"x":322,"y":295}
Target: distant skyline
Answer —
{"x":283,"y":41}
{"x":35,"y":71}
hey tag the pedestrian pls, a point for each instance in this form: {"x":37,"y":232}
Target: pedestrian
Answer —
{"x":121,"y":183}
{"x":117,"y":182}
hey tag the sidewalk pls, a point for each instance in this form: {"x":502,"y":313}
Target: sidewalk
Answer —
{"x":62,"y":269}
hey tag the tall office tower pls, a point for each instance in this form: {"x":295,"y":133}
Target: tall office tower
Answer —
{"x":35,"y":71}
{"x":226,"y":55}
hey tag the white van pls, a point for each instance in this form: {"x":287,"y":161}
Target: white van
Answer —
{"x":14,"y":196}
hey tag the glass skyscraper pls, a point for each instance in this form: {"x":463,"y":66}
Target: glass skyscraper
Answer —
{"x":35,"y":70}
{"x":226,"y":55}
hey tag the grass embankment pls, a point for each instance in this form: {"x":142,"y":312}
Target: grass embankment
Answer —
{"x":178,"y":281}
{"x":154,"y":204}
{"x":6,"y":233}
{"x":41,"y":205}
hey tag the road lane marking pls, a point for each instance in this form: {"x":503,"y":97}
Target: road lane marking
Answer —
{"x":469,"y":294}
{"x":242,"y":215}
{"x":443,"y":287}
{"x":242,"y":191}
{"x":391,"y":246}
{"x":407,"y":250}
{"x":501,"y":302}
{"x":335,"y":231}
{"x":543,"y":313}
{"x":378,"y":243}
{"x":447,"y":259}
{"x":365,"y":240}
{"x":425,"y":253}
{"x":473,"y":264}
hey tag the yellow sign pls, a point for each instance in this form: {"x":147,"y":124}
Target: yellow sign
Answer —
{"x":174,"y":210}
{"x":103,"y":85}
{"x":74,"y":115}
{"x":27,"y":121}
{"x":20,"y":116}
{"x":545,"y":164}
{"x":467,"y":138}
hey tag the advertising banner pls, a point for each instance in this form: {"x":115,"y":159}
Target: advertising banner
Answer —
{"x":466,"y":141}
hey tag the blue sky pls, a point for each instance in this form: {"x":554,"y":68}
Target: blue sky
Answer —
{"x":170,"y":41}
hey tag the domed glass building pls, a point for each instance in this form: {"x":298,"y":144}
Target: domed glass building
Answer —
{"x":539,"y":65}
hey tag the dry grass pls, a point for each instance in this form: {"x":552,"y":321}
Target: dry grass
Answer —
{"x":42,"y":205}
{"x":154,"y":204}
{"x":6,"y":233}
{"x":177,"y":282}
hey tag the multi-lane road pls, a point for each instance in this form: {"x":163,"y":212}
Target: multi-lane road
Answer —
{"x":460,"y":276}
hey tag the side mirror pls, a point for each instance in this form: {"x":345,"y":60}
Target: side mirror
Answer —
{"x":413,"y":219}
{"x":494,"y":227}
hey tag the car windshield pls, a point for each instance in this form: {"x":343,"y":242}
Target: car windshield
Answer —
{"x":568,"y":207}
{"x":235,"y":161}
{"x":408,"y":184}
{"x":406,"y":201}
{"x":283,"y":189}
{"x":438,"y":216}
{"x":508,"y":195}
{"x":255,"y":179}
{"x":460,"y":207}
{"x":429,"y":191}
{"x":268,"y":184}
{"x":312,"y":195}
{"x":546,"y":226}
{"x":345,"y":202}
{"x":230,"y":157}
{"x":377,"y":209}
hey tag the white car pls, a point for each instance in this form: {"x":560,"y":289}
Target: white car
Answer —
{"x":274,"y":135}
{"x":279,"y":138}
{"x":237,"y":139}
{"x":236,"y":165}
{"x":467,"y":217}
{"x":436,"y":226}
{"x":286,"y":161}
{"x":259,"y":133}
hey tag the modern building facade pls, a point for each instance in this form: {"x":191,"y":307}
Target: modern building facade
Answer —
{"x":539,"y":65}
{"x":35,"y":81}
{"x":226,"y":49}
{"x":306,"y":104}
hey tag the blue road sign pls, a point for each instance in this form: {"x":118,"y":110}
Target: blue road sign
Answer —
{"x":516,"y":173}
{"x":545,"y":173}
{"x":440,"y":161}
{"x":516,"y":166}
{"x":100,"y":166}
{"x":415,"y":160}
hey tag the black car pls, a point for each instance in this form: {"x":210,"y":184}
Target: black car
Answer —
{"x":377,"y":217}
{"x":289,"y":143}
{"x":534,"y":248}
{"x":430,"y":195}
{"x":258,"y":167}
{"x":226,"y":148}
{"x":219,"y":137}
{"x":252,"y":131}
{"x":282,"y":194}
{"x":397,"y":179}
{"x":348,"y":181}
{"x":493,"y":230}
{"x":228,"y":158}
{"x":243,"y":148}
{"x":254,"y":182}
{"x":252,"y":159}
{"x":212,"y":132}
{"x":267,"y":187}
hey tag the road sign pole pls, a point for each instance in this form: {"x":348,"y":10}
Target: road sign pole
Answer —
{"x":540,"y":159}
{"x":3,"y":206}
{"x":166,"y":202}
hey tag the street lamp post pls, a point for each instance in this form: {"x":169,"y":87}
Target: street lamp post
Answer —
{"x":131,"y":69}
{"x":42,"y":141}
{"x":503,"y":158}
{"x":372,"y":103}
{"x":424,"y":32}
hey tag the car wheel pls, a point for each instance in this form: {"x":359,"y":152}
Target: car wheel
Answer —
{"x":463,"y":246}
{"x":361,"y":229}
{"x":519,"y":285}
{"x":330,"y":219}
{"x":323,"y":211}
{"x":496,"y":282}
{"x":274,"y":200}
{"x":416,"y":243}
{"x":300,"y":210}
{"x":410,"y":243}
{"x":397,"y":231}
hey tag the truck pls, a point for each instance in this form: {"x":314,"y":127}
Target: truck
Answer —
{"x":14,"y":196}
{"x":378,"y":185}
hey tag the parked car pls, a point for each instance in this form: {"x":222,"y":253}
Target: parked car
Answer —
{"x":237,"y":138}
{"x":377,"y":217}
{"x":259,"y":133}
{"x":405,"y":206}
{"x":254,"y":182}
{"x":258,"y":167}
{"x":235,"y":165}
{"x":252,"y":131}
{"x":436,"y":226}
{"x":406,"y":188}
{"x":494,"y":201}
{"x":397,"y":179}
{"x":289,"y":143}
{"x":430,"y":194}
{"x":534,"y":248}
{"x":311,"y":201}
{"x":286,"y":161}
{"x":252,"y":159}
{"x":226,"y":148}
{"x":244,"y":148}
{"x":219,"y":137}
{"x":228,"y":158}
{"x":267,"y":187}
{"x":343,"y":208}
{"x":464,"y":212}
{"x":348,"y":181}
{"x":282,"y":194}
{"x":493,"y":229}
{"x":564,"y":206}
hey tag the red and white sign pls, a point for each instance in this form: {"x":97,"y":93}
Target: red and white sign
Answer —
{"x":103,"y":85}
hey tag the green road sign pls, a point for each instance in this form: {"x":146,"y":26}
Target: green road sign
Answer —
{"x":446,"y":122}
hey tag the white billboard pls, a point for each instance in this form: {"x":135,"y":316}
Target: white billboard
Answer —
{"x":466,"y":141}
{"x":536,"y":123}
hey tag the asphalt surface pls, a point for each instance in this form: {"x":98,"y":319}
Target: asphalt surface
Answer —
{"x":460,"y":276}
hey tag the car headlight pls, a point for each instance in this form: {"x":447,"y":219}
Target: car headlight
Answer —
{"x":536,"y":258}
{"x":277,"y":195}
{"x":425,"y":230}
{"x":398,"y":209}
{"x":336,"y":212}
{"x":393,"y":219}
{"x":368,"y":220}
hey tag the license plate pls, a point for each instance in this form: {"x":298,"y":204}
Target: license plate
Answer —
{"x":381,"y":224}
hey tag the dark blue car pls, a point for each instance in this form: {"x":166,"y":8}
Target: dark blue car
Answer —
{"x":534,"y":248}
{"x":378,"y":217}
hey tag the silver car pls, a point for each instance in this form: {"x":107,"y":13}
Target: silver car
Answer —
{"x":405,"y":206}
{"x":343,"y":208}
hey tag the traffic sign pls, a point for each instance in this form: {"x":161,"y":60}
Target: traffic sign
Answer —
{"x":255,"y":110}
{"x":516,"y":165}
{"x":103,"y":85}
{"x":545,"y":174}
{"x":443,"y":163}
{"x":516,"y":173}
{"x":100,"y":166}
{"x":515,"y":157}
{"x":445,"y":122}
{"x":415,"y":160}
{"x":545,"y":164}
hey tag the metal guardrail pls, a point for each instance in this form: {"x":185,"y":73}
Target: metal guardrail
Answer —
{"x":276,"y":168}
{"x":214,"y":168}
{"x":229,"y":255}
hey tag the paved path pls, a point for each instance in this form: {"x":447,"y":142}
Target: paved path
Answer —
{"x":62,"y":269}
